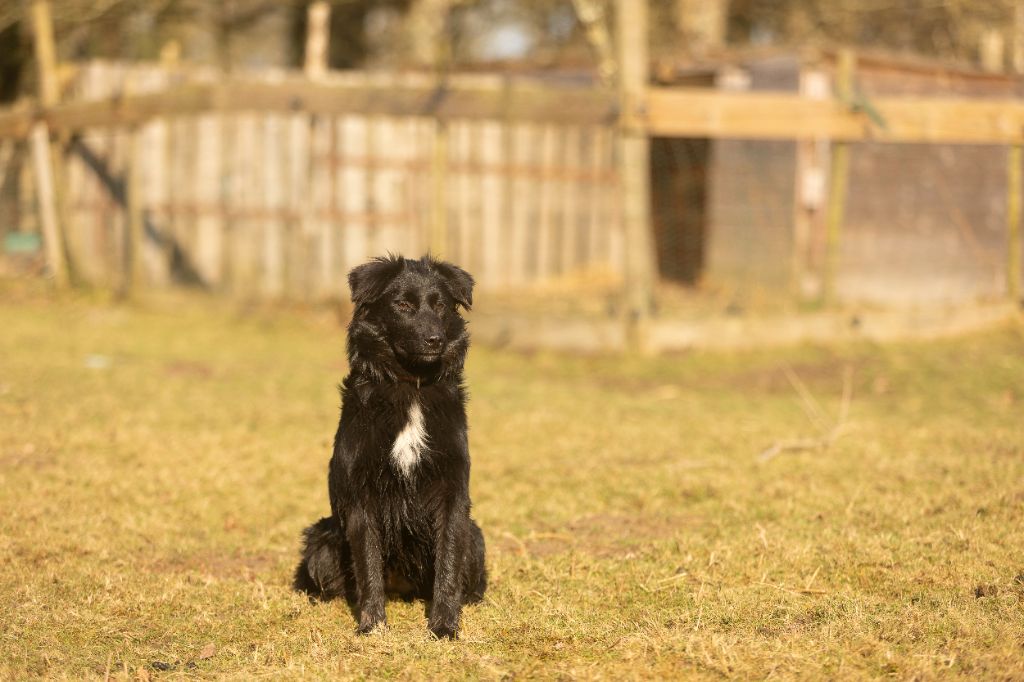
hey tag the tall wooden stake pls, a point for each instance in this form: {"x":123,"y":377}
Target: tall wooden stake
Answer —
{"x":839,"y":171}
{"x":318,"y":40}
{"x":434,"y":49}
{"x":809,"y":196}
{"x":45,"y":155}
{"x":318,"y":23}
{"x":1013,"y":210}
{"x":635,"y":162}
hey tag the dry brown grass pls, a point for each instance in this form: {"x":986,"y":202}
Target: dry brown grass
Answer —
{"x":157,"y":463}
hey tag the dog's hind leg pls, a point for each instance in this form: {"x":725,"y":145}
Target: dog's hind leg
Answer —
{"x":474,"y":576}
{"x":323,"y":572}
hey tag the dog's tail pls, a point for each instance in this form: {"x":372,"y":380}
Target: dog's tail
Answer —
{"x":321,"y":573}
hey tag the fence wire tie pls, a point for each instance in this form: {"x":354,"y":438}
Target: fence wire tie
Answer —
{"x":859,"y":103}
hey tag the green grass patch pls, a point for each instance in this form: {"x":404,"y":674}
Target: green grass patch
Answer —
{"x":157,"y":463}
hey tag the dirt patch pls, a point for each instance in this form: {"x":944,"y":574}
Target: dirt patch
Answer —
{"x":605,"y":534}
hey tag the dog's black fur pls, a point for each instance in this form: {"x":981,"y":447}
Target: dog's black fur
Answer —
{"x":393,"y":532}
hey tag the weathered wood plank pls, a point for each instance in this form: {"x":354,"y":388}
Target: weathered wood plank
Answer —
{"x":530,"y":102}
{"x":526,"y":102}
{"x":693,"y":112}
{"x":682,"y":112}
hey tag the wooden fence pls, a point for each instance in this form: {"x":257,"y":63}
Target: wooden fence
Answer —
{"x":283,"y":202}
{"x":276,"y":185}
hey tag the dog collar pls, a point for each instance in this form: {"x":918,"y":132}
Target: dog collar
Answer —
{"x":410,"y":379}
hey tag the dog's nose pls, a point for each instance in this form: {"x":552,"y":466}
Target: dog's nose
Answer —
{"x":434,"y":342}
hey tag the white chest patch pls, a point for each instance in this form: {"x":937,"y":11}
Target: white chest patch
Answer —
{"x":409,"y":443}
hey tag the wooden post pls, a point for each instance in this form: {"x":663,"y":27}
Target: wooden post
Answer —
{"x":317,"y":228}
{"x":809,"y":197}
{"x":1013,"y":238}
{"x":318,"y":23}
{"x":837,"y":180}
{"x":45,"y":155}
{"x":431,"y":48}
{"x":46,"y":52}
{"x":992,"y":50}
{"x":634,"y":161}
{"x":47,"y":204}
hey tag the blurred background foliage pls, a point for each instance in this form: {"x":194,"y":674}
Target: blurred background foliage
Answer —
{"x":241,"y":34}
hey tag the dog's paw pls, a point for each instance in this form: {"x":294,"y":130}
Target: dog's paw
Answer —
{"x":444,"y":631}
{"x":372,"y":628}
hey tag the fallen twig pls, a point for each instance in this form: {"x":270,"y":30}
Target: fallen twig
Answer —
{"x":522,"y":545}
{"x":814,"y":413}
{"x":812,"y":408}
{"x":793,"y":590}
{"x":810,"y":581}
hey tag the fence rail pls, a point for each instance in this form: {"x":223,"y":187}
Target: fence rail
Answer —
{"x":758,"y":115}
{"x":508,"y":101}
{"x":668,"y":112}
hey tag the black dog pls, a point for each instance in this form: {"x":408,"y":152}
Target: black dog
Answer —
{"x":399,"y":477}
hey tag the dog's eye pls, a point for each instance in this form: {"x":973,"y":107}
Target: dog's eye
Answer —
{"x":439,"y":307}
{"x":404,"y":306}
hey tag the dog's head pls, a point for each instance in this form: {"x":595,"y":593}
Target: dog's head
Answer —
{"x":407,"y":311}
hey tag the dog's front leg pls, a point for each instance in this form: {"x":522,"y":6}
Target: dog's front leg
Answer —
{"x":450,"y":550}
{"x":368,"y":566}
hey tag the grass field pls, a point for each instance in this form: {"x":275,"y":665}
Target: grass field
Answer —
{"x":158,"y":461}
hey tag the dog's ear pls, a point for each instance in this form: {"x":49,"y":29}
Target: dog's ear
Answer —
{"x":368,"y":281}
{"x":460,"y":283}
